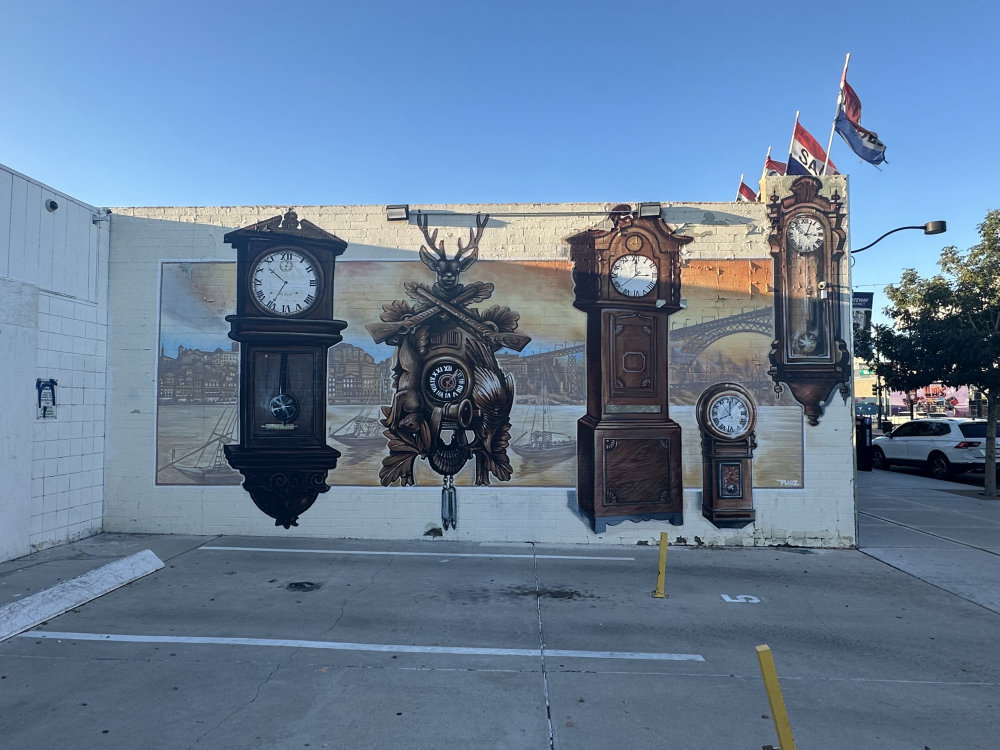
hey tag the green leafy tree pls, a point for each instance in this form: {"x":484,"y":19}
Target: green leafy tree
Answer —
{"x":947,"y":329}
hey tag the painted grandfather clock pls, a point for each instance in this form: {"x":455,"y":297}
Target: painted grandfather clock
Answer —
{"x":627,"y":281}
{"x":727,"y":415}
{"x":284,"y":323}
{"x":807,"y":240}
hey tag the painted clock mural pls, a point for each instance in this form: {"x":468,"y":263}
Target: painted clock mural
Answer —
{"x":727,"y":415}
{"x":627,"y":280}
{"x":451,"y":400}
{"x":807,"y":238}
{"x":284,"y":324}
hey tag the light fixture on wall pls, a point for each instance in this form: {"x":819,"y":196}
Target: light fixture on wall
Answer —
{"x":51,"y":205}
{"x":931,"y":227}
{"x":399,"y":212}
{"x":649,"y":210}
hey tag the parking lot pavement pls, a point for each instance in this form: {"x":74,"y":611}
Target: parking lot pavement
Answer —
{"x":284,"y":642}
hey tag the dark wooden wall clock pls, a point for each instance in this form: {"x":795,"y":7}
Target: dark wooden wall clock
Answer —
{"x":807,"y":240}
{"x":284,"y":323}
{"x":727,"y":415}
{"x":627,"y":281}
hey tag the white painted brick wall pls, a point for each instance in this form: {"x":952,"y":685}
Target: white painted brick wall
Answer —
{"x":61,"y":257}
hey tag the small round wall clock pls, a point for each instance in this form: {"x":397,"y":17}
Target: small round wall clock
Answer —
{"x":730,"y":414}
{"x":446,"y":381}
{"x":634,"y":275}
{"x":284,"y":281}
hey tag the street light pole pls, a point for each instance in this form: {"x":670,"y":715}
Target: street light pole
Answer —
{"x":931,"y":227}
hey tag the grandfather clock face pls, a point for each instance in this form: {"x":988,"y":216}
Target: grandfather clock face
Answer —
{"x":284,"y":281}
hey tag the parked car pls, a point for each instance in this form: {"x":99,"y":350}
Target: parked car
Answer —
{"x":942,"y":446}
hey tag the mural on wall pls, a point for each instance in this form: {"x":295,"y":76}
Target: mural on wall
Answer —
{"x":448,"y":386}
{"x":722,"y":334}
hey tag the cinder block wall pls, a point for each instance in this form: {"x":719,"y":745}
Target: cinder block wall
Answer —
{"x":53,"y":324}
{"x":819,"y":512}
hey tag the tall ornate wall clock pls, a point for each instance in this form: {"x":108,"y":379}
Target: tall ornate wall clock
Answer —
{"x":452,"y":401}
{"x":727,"y":415}
{"x":627,"y":281}
{"x":807,"y":240}
{"x":284,"y":324}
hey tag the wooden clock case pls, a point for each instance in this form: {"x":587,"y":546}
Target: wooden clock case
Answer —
{"x":629,"y":450}
{"x":283,"y":456}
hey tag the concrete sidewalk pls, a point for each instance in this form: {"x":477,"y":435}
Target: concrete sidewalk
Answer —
{"x":284,"y":642}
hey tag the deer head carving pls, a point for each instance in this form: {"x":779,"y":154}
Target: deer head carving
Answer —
{"x":448,"y":270}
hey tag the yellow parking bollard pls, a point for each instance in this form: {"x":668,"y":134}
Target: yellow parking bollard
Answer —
{"x":778,"y":713}
{"x":661,"y":576}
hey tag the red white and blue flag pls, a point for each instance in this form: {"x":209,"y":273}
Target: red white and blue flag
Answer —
{"x":774,"y":168}
{"x":863,"y":142}
{"x":806,"y":156}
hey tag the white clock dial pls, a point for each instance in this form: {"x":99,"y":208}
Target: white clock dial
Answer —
{"x":634,"y":275}
{"x":284,"y":281}
{"x":730,"y":415}
{"x":805,"y":234}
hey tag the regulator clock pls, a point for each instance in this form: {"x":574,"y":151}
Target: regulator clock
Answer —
{"x":727,"y":416}
{"x":284,"y":324}
{"x":627,"y":281}
{"x":807,"y":239}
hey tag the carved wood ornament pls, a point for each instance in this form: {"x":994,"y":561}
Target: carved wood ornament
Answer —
{"x":452,"y":401}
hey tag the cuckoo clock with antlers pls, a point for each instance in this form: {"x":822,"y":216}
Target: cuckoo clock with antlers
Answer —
{"x":628,"y":282}
{"x":452,"y":401}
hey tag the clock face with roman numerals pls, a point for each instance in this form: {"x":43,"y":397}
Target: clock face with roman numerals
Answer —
{"x":284,"y":281}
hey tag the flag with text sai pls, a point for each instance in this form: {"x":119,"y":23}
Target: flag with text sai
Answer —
{"x":807,"y":156}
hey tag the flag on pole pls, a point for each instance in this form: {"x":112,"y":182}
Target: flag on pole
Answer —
{"x":806,"y":156}
{"x":745,"y":194}
{"x":863,"y":142}
{"x":774,"y":168}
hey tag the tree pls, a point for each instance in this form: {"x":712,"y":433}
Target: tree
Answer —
{"x":947,"y":329}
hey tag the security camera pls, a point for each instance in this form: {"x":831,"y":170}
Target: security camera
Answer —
{"x":51,"y":205}
{"x":822,"y":285}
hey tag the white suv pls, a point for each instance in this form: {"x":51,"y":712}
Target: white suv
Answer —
{"x":942,"y":446}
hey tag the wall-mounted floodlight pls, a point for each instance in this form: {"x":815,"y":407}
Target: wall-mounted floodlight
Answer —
{"x":649,"y":210}
{"x":400,"y":212}
{"x":931,"y":227}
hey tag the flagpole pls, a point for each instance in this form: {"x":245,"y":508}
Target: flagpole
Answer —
{"x":763,"y":172}
{"x":840,"y":96}
{"x":740,"y":187}
{"x":791,"y":143}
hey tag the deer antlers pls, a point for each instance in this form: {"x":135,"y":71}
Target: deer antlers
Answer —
{"x":467,"y":254}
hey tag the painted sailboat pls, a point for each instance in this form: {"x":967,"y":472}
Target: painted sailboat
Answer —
{"x":207,"y":464}
{"x":362,"y":430}
{"x":539,"y":442}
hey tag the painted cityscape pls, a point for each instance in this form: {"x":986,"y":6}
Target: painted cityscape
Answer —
{"x":723,"y":334}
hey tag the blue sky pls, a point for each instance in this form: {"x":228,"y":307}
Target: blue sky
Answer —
{"x":305,"y":103}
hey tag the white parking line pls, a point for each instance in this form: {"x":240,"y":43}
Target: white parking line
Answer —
{"x":379,"y":647}
{"x":602,"y":558}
